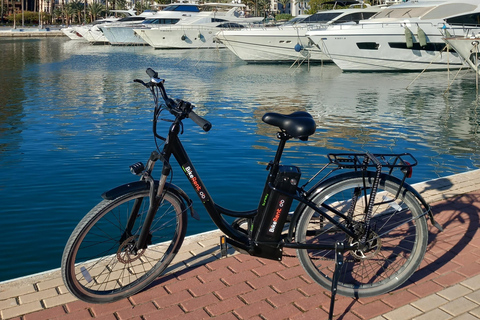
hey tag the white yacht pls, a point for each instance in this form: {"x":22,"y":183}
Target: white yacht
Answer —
{"x":72,"y":34}
{"x":199,"y":31}
{"x":123,"y":34}
{"x":92,"y":32}
{"x":468,"y":47}
{"x":287,"y":42}
{"x":405,"y":36}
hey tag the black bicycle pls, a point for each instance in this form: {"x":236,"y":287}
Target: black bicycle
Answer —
{"x":359,"y":230}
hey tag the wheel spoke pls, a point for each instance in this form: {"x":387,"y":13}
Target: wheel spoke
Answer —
{"x":101,"y":262}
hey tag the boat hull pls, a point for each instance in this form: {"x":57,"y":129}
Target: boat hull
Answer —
{"x":271,"y":46}
{"x":180,"y":37}
{"x":385,"y":47}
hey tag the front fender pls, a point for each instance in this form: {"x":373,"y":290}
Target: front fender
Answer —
{"x":144,"y":186}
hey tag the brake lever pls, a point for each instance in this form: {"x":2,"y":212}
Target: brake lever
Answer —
{"x":141,"y":82}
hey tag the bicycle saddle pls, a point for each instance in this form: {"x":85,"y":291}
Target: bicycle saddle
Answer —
{"x":299,"y":124}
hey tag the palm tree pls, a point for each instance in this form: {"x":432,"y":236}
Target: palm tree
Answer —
{"x":250,"y":4}
{"x":77,"y":7}
{"x":23,"y":13}
{"x":95,"y":9}
{"x":57,"y":13}
{"x":263,"y":6}
{"x":284,"y":4}
{"x":68,"y":13}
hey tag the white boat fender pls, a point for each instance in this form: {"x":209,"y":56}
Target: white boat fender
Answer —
{"x":408,"y":38}
{"x":447,"y":35}
{"x":298,"y":47}
{"x":200,"y":35}
{"x":422,"y":37}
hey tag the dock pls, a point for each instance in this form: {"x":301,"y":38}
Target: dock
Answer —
{"x":201,"y":285}
{"x":21,"y":32}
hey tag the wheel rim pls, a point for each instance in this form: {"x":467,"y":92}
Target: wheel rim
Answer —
{"x":102,"y":266}
{"x":392,"y":253}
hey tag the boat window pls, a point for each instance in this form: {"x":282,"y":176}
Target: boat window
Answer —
{"x":354,"y":17}
{"x":189,"y":8}
{"x":402,"y":12}
{"x":294,"y":21}
{"x":230,"y":25}
{"x":134,"y":18}
{"x":416,"y":46}
{"x":448,"y":10}
{"x":218,"y":20}
{"x":367,"y":45}
{"x":321,"y":17}
{"x":161,"y":21}
{"x":472,"y":19}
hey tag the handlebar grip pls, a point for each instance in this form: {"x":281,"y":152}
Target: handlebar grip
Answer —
{"x":202,"y":123}
{"x":152,"y":73}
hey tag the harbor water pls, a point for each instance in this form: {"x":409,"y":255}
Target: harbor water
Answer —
{"x":72,"y":121}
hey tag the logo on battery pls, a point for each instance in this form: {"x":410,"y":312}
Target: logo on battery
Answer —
{"x":278,"y":213}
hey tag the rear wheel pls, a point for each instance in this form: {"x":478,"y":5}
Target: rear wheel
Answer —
{"x":101,"y":263}
{"x":394,"y":243}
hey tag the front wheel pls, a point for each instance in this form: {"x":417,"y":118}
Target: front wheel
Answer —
{"x":394,"y":240}
{"x":101,"y":263}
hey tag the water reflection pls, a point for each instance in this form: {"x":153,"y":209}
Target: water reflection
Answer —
{"x":72,"y":120}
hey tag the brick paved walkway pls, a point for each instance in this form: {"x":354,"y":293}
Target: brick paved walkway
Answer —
{"x":447,"y":285}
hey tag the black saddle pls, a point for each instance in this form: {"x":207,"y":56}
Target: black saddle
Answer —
{"x":299,"y":124}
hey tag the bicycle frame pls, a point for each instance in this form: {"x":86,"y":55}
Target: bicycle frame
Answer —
{"x":253,"y":239}
{"x":173,"y":146}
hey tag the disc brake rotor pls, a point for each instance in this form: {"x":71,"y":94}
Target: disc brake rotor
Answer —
{"x":127,"y":251}
{"x":374,"y":244}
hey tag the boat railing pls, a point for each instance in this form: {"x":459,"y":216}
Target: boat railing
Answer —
{"x":377,"y":25}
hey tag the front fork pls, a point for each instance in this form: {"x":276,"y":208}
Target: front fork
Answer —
{"x":155,"y":199}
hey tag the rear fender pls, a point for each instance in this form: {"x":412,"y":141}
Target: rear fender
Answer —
{"x":142,"y":186}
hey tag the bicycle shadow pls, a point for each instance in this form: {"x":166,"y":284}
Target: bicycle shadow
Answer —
{"x":459,"y":217}
{"x":183,"y":265}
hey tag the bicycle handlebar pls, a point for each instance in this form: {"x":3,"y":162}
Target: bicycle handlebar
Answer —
{"x":178,"y":108}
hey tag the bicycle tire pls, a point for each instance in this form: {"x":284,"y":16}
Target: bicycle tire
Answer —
{"x":398,"y":239}
{"x":98,"y":266}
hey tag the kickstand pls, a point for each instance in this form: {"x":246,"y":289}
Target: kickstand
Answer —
{"x":339,"y":249}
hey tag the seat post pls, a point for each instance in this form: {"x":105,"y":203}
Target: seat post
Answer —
{"x":281,"y":146}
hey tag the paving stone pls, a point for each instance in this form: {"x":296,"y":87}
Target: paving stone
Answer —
{"x":458,"y":306}
{"x":474,"y":296}
{"x":225,"y":306}
{"x":21,"y":310}
{"x":405,"y":312}
{"x":472,"y":283}
{"x":429,"y":302}
{"x":371,"y":310}
{"x":58,"y":300}
{"x":476,"y":312}
{"x":51,"y":283}
{"x":8,"y":303}
{"x":466,"y":316}
{"x":16,"y":291}
{"x":454,"y":292}
{"x":436,"y":314}
{"x":36,"y":296}
{"x":45,"y":314}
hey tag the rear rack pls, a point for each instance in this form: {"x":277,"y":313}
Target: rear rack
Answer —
{"x":365,"y":160}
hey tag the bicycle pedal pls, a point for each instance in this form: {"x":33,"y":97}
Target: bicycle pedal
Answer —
{"x":137,"y":168}
{"x":223,"y":246}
